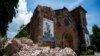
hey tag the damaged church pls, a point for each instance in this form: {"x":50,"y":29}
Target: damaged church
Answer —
{"x":59,"y":27}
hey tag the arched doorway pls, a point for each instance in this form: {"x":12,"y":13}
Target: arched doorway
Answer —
{"x":66,"y":40}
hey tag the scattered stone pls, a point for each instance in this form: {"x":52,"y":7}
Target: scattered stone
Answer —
{"x":24,"y":47}
{"x":56,"y":49}
{"x":17,"y":43}
{"x":2,"y":42}
{"x":26,"y":41}
{"x":45,"y":49}
{"x":13,"y":47}
{"x":70,"y":52}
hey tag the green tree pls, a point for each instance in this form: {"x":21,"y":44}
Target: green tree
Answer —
{"x":23,"y":32}
{"x":7,"y":11}
{"x":95,"y":37}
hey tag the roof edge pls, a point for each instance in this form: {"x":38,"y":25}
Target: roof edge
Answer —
{"x":79,"y":7}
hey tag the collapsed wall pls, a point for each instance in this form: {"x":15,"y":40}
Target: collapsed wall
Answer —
{"x":26,"y":47}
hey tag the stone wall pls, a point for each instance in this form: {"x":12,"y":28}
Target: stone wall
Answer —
{"x":37,"y":24}
{"x":61,"y":18}
{"x":65,"y":24}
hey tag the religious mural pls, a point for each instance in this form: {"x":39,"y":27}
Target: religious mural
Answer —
{"x":48,"y":29}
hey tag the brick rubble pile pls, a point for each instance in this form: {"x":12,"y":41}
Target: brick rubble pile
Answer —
{"x":25,"y":47}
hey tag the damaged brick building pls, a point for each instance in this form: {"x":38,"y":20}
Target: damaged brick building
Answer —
{"x":59,"y":27}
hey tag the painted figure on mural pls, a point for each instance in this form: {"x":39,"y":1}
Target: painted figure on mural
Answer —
{"x":47,"y":29}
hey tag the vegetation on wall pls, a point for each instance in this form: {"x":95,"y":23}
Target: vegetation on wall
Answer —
{"x":23,"y":32}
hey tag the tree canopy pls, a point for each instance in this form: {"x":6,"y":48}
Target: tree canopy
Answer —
{"x":7,"y":11}
{"x":95,"y":37}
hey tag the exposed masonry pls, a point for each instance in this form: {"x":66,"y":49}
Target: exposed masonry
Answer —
{"x":69,"y":27}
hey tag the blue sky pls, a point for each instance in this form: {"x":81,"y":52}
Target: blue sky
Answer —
{"x":91,"y":6}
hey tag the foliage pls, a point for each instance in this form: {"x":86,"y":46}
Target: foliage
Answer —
{"x":83,"y":47}
{"x":7,"y":11}
{"x":92,"y":47}
{"x":83,"y":53}
{"x":22,"y":26}
{"x":23,"y":32}
{"x":89,"y":51}
{"x":67,"y":37}
{"x":95,"y":37}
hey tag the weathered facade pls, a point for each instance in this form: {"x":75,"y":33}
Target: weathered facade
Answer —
{"x":79,"y":16}
{"x":59,"y":27}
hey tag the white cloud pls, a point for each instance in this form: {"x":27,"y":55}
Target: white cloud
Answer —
{"x":22,"y":17}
